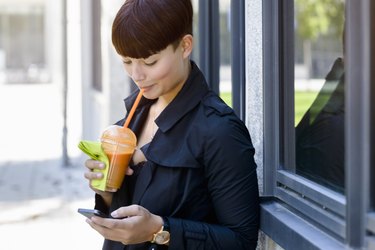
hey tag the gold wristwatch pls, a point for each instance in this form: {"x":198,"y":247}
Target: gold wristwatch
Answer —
{"x":162,"y":237}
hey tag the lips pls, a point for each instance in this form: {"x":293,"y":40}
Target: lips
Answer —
{"x":146,"y":88}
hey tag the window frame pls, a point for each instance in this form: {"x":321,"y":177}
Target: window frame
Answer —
{"x":315,"y":202}
{"x":340,"y":217}
{"x":371,"y":230}
{"x":360,"y":55}
{"x":209,"y":49}
{"x":238,"y":57}
{"x":209,"y":42}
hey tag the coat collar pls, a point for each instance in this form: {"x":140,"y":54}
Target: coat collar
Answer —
{"x":189,"y":96}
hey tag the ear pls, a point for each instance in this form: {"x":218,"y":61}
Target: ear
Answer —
{"x":187,"y":45}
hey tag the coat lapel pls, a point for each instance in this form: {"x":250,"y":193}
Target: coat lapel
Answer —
{"x":188,"y":98}
{"x":142,"y":183}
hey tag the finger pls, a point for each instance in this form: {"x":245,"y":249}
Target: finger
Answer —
{"x":112,"y":229}
{"x":129,"y":171}
{"x":111,"y":190}
{"x":93,"y":175}
{"x":96,"y":225}
{"x":128,"y":211}
{"x":107,"y":223}
{"x":92,"y":164}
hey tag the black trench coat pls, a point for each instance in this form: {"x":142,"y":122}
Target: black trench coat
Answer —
{"x":200,"y":173}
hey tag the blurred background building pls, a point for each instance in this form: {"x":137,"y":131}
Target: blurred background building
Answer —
{"x":24,"y":56}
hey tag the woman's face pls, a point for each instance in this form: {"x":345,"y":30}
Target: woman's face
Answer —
{"x":160,"y":75}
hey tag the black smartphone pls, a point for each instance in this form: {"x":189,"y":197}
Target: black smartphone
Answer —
{"x":91,"y":212}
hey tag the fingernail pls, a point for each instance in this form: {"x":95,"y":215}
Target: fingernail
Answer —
{"x":101,"y":165}
{"x":99,"y":175}
{"x":114,"y":214}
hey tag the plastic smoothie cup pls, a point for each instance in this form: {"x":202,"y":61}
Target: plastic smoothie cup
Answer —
{"x":119,"y":144}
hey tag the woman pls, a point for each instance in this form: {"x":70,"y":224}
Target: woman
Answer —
{"x":192,"y":183}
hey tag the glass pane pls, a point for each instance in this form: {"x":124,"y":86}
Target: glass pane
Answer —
{"x":320,"y":91}
{"x":225,"y":52}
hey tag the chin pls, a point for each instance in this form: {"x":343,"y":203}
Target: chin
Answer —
{"x":150,"y":96}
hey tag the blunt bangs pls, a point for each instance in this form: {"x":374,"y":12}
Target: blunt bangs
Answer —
{"x":144,"y":27}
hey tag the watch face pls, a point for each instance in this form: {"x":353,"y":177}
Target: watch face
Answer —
{"x":162,"y":238}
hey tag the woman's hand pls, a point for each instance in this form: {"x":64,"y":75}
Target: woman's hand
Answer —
{"x":90,"y":175}
{"x":132,"y":224}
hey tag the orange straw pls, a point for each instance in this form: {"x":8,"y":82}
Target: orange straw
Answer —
{"x":131,"y":113}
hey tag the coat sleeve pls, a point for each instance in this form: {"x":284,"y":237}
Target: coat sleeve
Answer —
{"x":231,"y":176}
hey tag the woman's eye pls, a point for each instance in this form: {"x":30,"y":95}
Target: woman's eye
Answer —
{"x":127,"y":62}
{"x":151,"y":63}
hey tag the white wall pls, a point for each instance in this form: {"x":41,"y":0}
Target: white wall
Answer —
{"x":254,"y":95}
{"x":254,"y":80}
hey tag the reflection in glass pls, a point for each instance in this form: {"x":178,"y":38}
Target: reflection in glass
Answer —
{"x":320,"y":92}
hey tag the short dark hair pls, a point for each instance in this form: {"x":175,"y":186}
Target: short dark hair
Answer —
{"x":144,"y":27}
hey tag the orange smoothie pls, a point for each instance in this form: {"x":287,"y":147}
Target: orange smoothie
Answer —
{"x":118,"y":165}
{"x":119,"y":144}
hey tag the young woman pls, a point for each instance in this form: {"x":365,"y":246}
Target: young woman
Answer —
{"x":192,"y":183}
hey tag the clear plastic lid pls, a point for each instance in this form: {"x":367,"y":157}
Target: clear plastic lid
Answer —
{"x":115,"y":134}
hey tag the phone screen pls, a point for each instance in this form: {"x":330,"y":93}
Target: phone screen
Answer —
{"x":91,"y":212}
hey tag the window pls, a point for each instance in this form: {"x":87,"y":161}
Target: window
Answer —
{"x":220,"y":48}
{"x":319,"y":92}
{"x":225,"y":72}
{"x":300,"y":187}
{"x":306,"y":94}
{"x":313,"y":169}
{"x":237,"y":24}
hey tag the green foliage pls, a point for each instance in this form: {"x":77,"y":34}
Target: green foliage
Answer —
{"x":318,"y":17}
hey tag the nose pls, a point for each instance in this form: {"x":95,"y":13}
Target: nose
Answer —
{"x":137,"y":73}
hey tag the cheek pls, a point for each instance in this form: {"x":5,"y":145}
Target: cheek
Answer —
{"x":162,"y":72}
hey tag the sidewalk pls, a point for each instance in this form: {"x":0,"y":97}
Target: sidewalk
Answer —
{"x":38,"y":203}
{"x":39,"y":197}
